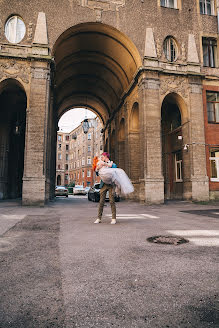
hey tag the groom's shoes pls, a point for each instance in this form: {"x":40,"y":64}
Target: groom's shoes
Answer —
{"x":97,"y":221}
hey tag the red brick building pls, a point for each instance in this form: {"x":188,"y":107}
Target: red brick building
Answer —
{"x":75,"y":153}
{"x":211,"y":119}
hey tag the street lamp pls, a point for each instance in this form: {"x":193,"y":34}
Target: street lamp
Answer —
{"x":85,"y":126}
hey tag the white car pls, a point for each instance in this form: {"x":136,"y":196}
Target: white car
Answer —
{"x":79,"y":190}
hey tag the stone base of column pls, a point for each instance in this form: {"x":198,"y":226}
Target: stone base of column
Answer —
{"x":200,"y":189}
{"x":154,"y":190}
{"x":33,"y":191}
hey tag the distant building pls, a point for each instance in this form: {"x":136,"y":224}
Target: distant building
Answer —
{"x":75,"y":153}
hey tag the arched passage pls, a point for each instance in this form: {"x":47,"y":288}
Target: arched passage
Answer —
{"x":13,"y":104}
{"x":174,"y":134}
{"x":94,"y":66}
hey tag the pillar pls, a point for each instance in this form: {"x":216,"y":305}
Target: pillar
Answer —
{"x":150,"y":140}
{"x":34,"y":189}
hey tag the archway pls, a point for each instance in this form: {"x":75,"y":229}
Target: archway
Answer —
{"x":173,"y":112}
{"x":13,"y":103}
{"x":94,"y":66}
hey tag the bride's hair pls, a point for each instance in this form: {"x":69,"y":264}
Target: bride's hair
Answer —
{"x":106,"y":154}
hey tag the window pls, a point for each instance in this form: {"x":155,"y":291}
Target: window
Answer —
{"x":74,"y":165}
{"x":169,"y":3}
{"x":170,"y":49}
{"x":209,"y":47}
{"x":83,"y":174}
{"x":83,"y":161}
{"x":214,"y":161}
{"x":89,"y":160}
{"x":67,"y":138}
{"x":67,"y":147}
{"x":101,"y":147}
{"x":89,"y":148}
{"x":15,"y":29}
{"x":66,"y":157}
{"x":213,"y":106}
{"x":66,"y":166}
{"x":77,"y":163}
{"x":178,"y":166}
{"x":89,"y":136}
{"x":88,"y":173}
{"x":59,"y":138}
{"x":59,"y":167}
{"x":206,"y":7}
{"x":60,"y":146}
{"x":59,"y":156}
{"x":66,"y":176}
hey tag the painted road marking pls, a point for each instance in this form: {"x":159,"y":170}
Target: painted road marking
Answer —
{"x":11,"y":217}
{"x":134,"y":216}
{"x":199,"y":237}
{"x":194,"y":233}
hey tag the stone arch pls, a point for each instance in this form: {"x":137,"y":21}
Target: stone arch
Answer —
{"x":95,"y":63}
{"x":13,"y":104}
{"x":175,"y":133}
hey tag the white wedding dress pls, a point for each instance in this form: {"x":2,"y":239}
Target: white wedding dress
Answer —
{"x":118,"y":177}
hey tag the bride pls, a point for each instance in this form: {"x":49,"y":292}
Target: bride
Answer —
{"x":109,"y":174}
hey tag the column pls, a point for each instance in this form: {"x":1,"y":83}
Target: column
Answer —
{"x":34,"y":189}
{"x":150,"y":140}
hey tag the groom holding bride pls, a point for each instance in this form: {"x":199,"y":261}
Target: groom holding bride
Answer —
{"x":111,"y":177}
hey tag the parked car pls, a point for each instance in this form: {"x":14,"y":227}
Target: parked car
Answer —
{"x":61,"y":191}
{"x":79,"y":190}
{"x":94,"y":194}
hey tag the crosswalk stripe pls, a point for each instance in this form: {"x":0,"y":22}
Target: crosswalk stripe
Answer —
{"x":134,"y":216}
{"x":199,"y":237}
{"x":150,"y":216}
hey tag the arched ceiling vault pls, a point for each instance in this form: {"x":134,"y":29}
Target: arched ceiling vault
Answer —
{"x":94,"y":61}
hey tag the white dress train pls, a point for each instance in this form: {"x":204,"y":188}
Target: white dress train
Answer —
{"x":118,"y":177}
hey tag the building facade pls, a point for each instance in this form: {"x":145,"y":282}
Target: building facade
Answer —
{"x":148,"y":69}
{"x":75,"y":153}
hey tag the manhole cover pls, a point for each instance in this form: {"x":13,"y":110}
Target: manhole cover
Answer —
{"x":168,"y":240}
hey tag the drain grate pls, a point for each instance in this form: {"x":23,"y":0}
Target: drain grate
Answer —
{"x":168,"y":240}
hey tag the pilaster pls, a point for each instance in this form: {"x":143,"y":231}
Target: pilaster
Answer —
{"x":199,"y":179}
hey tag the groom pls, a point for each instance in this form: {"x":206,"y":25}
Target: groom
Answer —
{"x":103,"y":191}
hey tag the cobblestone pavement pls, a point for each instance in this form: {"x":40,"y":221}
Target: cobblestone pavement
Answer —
{"x":58,"y":269}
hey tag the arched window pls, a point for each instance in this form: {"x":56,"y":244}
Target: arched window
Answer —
{"x":15,"y":29}
{"x":170,"y":49}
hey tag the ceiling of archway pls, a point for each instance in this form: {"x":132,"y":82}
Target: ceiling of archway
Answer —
{"x":94,"y":63}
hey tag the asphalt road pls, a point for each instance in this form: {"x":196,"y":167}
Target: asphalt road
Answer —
{"x":58,"y":269}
